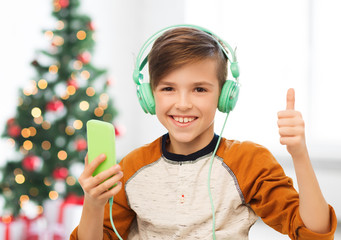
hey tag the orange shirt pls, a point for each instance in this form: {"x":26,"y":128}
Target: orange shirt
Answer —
{"x":165,"y":196}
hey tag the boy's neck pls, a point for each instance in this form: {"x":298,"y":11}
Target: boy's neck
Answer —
{"x":186,"y":148}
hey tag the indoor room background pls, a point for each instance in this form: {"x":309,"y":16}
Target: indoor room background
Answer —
{"x":280,"y":44}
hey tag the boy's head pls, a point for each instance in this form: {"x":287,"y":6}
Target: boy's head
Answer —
{"x":181,"y":46}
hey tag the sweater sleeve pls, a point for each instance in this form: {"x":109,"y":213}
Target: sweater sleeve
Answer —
{"x":122,"y":216}
{"x":270,"y":193}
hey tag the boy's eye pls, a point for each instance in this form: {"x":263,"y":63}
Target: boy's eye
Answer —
{"x":167,"y":89}
{"x":200,"y":89}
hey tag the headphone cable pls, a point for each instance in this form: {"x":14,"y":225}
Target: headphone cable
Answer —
{"x":111,"y":202}
{"x":209,"y":178}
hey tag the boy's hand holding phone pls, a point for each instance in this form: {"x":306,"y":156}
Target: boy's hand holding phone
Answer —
{"x":97,"y":188}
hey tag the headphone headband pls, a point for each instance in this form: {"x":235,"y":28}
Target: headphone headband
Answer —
{"x":139,"y":66}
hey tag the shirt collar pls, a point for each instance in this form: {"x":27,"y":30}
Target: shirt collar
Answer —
{"x":191,"y":157}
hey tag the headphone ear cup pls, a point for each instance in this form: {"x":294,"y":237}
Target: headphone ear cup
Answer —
{"x":146,"y":98}
{"x":228,"y":96}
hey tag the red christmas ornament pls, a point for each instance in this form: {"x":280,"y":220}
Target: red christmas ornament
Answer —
{"x":64,"y":3}
{"x":81,"y":144}
{"x":31,"y":163}
{"x":60,"y":173}
{"x":10,"y":121}
{"x":84,"y":57}
{"x":35,"y":63}
{"x":91,"y":26}
{"x":110,"y":81}
{"x":119,"y":130}
{"x":55,"y":105}
{"x":14,"y":131}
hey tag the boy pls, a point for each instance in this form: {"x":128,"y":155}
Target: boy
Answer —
{"x":163,"y":193}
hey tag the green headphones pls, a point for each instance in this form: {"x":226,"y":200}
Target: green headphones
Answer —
{"x":229,"y":93}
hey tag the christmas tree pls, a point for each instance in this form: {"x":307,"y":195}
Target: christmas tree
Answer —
{"x":49,"y":127}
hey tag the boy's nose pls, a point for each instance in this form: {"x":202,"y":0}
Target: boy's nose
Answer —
{"x":183,"y":102}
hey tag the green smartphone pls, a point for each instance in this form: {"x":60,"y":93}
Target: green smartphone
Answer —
{"x":101,"y":139}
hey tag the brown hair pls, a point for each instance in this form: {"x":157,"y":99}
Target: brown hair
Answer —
{"x":180,"y":46}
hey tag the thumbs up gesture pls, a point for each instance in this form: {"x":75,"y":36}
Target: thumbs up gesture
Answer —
{"x":291,"y":127}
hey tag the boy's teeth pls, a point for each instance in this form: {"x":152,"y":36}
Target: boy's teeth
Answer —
{"x":183,"y":120}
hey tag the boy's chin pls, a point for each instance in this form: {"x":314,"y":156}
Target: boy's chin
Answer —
{"x":188,"y":138}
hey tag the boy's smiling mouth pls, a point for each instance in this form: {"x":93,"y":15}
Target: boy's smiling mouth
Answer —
{"x":183,"y":119}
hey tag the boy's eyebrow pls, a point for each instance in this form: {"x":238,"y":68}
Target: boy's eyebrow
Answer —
{"x":166,"y":83}
{"x":195,"y":84}
{"x":203,"y":83}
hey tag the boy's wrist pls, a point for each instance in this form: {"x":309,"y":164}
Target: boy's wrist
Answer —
{"x":92,"y":205}
{"x":301,"y":155}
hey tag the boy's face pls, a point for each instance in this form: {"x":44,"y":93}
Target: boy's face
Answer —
{"x":186,"y":102}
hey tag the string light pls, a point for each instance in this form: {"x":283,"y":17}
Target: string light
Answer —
{"x":47,"y":182}
{"x":53,"y":69}
{"x":38,"y":120}
{"x":19,"y":178}
{"x":23,"y":199}
{"x":90,"y":91}
{"x":31,"y":89}
{"x":40,"y":210}
{"x":85,"y":74}
{"x":25,"y":133}
{"x":49,"y":35}
{"x":107,"y":117}
{"x":28,"y":132}
{"x":28,"y":145}
{"x":81,"y":35}
{"x":77,"y":65}
{"x":70,"y":180}
{"x":69,"y":130}
{"x":58,"y":41}
{"x":34,"y":191}
{"x":62,"y":155}
{"x":42,"y":84}
{"x":84,"y":105}
{"x":60,"y":25}
{"x":17,"y":171}
{"x":27,"y":92}
{"x":70,"y":90}
{"x":7,"y":192}
{"x":104,"y":97}
{"x":36,"y":112}
{"x":99,"y":112}
{"x":7,"y":219}
{"x":22,"y":150}
{"x":78,"y":124}
{"x":53,"y":195}
{"x":103,"y":105}
{"x":57,"y":6}
{"x":33,"y":131}
{"x":46,"y":125}
{"x":11,"y":142}
{"x":65,"y":96}
{"x":46,"y":145}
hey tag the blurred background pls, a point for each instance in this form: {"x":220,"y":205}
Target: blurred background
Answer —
{"x":281,"y":44}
